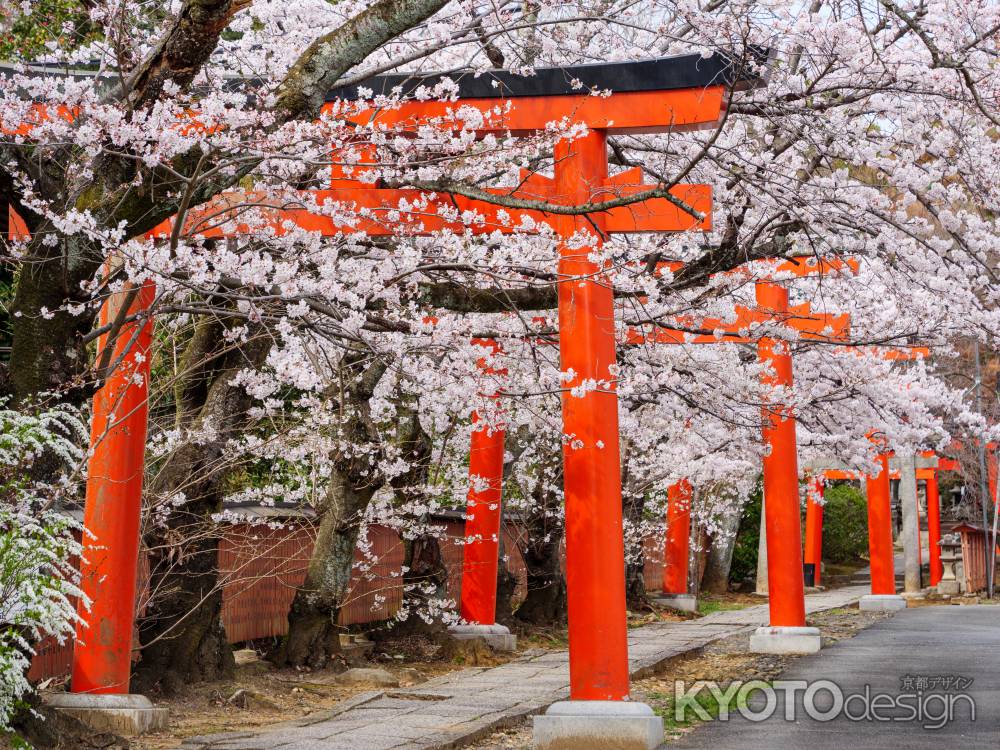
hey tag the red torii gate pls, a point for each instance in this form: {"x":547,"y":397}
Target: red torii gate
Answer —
{"x":879,"y":519}
{"x":883,"y":583}
{"x":478,"y":597}
{"x":787,"y":631}
{"x":671,"y":94}
{"x":787,"y":603}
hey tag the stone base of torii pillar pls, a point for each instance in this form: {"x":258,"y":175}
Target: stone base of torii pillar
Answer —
{"x":127,"y":715}
{"x":582,"y":725}
{"x":497,"y":637}
{"x":681,"y":602}
{"x":785,"y":640}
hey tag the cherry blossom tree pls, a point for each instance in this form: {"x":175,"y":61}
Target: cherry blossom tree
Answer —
{"x":314,"y":356}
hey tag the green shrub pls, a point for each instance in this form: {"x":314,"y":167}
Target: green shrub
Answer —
{"x":744,"y":564}
{"x":845,"y":524}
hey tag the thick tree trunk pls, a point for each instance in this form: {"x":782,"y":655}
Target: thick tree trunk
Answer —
{"x":720,"y":556}
{"x":425,"y":584}
{"x":506,"y":586}
{"x":635,"y":556}
{"x":47,"y":354}
{"x":545,"y":603}
{"x":636,"y":599}
{"x":181,"y":631}
{"x":313,"y":633}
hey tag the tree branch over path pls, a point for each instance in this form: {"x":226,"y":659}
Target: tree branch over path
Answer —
{"x":121,"y":191}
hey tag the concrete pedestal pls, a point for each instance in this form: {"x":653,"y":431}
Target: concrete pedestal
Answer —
{"x":496,"y":636}
{"x":785,"y":640}
{"x":125,"y":715}
{"x":682,"y":602}
{"x":881,"y":603}
{"x":597,"y":725}
{"x":949,"y":588}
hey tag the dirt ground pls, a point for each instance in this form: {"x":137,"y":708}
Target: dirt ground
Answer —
{"x":724,"y":660}
{"x":260,"y":695}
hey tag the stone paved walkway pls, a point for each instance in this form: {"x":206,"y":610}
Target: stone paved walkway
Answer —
{"x":461,"y":707}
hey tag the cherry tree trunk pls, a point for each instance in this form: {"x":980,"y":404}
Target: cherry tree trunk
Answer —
{"x":313,"y":634}
{"x":720,"y":556}
{"x":180,"y":632}
{"x":635,"y":556}
{"x":545,"y":603}
{"x":506,"y":586}
{"x":425,"y":584}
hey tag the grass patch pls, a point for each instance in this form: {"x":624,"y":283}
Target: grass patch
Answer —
{"x":839,"y":611}
{"x":708,"y":606}
{"x":546,"y":638}
{"x":843,"y":569}
{"x":664,"y":704}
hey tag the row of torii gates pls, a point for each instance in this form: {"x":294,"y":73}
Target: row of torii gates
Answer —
{"x":665,"y":95}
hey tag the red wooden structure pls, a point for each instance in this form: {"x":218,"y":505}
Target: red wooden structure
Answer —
{"x":658,"y":96}
{"x":877,"y":488}
{"x":677,"y":550}
{"x":102,"y":656}
{"x":811,"y":326}
{"x":482,"y":524}
{"x":812,"y":554}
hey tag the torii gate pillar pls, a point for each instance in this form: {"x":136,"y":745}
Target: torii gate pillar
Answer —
{"x":677,"y":550}
{"x":102,"y":651}
{"x":787,"y":632}
{"x":880,"y":553}
{"x":482,"y":533}
{"x":595,"y":580}
{"x":814,"y":531}
{"x":934,"y":528}
{"x":598,"y":708}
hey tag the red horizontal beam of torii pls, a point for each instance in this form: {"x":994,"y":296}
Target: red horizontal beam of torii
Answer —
{"x":811,"y":326}
{"x":621,"y":113}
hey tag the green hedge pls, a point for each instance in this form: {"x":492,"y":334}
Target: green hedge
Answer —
{"x":744,"y":564}
{"x":845,"y":524}
{"x":845,"y":530}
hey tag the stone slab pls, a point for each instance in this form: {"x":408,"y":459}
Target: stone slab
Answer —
{"x":785,"y":640}
{"x":126,"y":715}
{"x":681,"y":602}
{"x":882,"y":603}
{"x":497,"y":637}
{"x":598,"y":725}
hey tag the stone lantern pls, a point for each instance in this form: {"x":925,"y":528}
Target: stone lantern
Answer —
{"x":951,"y":545}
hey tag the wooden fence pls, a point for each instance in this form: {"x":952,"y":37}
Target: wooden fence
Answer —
{"x":261,"y":567}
